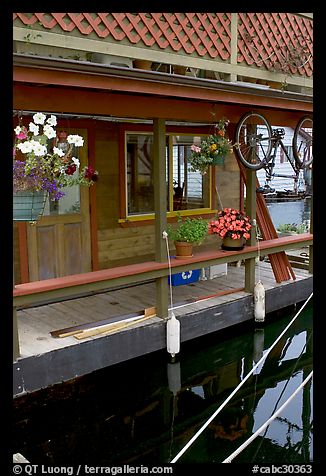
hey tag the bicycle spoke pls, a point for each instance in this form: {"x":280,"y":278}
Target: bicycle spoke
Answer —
{"x":303,"y":142}
{"x":253,"y":134}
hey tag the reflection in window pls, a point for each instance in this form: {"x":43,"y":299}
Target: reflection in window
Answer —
{"x":69,"y":203}
{"x":191,"y":190}
{"x":140,"y":182}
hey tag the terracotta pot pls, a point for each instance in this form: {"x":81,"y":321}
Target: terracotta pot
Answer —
{"x":180,"y":69}
{"x":183,"y":249}
{"x":233,"y":245}
{"x":143,"y":64}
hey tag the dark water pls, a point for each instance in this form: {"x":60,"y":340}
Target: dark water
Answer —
{"x":146,"y":410}
{"x":290,"y":212}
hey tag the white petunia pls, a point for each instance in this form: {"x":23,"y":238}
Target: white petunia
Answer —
{"x":71,"y":139}
{"x":52,"y":120}
{"x":25,"y":147}
{"x":58,"y":152}
{"x":76,"y":161}
{"x":39,"y":118}
{"x":17,"y":130}
{"x":39,"y":150}
{"x":49,"y":131}
{"x":79,"y":141}
{"x":33,"y":128}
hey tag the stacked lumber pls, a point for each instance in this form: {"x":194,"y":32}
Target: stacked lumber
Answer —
{"x":280,"y":263}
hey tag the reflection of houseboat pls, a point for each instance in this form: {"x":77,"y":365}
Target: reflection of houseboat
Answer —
{"x":147,"y":416}
{"x":138,"y":127}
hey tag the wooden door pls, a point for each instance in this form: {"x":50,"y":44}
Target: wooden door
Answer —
{"x":59,"y":244}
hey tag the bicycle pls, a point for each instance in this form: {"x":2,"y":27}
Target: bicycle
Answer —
{"x":256,"y":145}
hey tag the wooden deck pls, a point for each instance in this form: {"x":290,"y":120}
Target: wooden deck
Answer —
{"x":46,"y":360}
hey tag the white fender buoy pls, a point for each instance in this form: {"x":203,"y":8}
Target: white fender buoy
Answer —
{"x":173,"y":335}
{"x":259,"y":299}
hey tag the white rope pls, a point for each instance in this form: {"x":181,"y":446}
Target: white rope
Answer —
{"x":246,"y":443}
{"x":165,"y":236}
{"x":199,"y":432}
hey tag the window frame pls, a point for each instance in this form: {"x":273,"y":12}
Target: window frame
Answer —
{"x":147,"y":218}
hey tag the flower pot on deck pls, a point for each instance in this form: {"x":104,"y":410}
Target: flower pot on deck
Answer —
{"x":233,"y":245}
{"x":183,"y":249}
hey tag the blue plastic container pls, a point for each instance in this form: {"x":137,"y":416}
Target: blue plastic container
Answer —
{"x":186,"y":277}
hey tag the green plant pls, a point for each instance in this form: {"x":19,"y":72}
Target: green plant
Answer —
{"x":190,"y":230}
{"x":292,"y":227}
{"x":210,"y":151}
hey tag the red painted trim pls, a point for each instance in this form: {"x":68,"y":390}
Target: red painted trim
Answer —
{"x":92,"y":198}
{"x":147,"y":87}
{"x":134,"y":269}
{"x":122,"y":171}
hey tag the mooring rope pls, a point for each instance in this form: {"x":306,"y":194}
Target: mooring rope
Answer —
{"x":165,"y":236}
{"x":268,"y":422}
{"x":199,"y":432}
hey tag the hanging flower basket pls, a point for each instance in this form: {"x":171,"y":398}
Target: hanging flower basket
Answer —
{"x":212,"y":150}
{"x":43,"y":164}
{"x":28,"y":206}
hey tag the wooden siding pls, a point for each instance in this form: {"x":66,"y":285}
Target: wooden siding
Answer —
{"x":122,"y":245}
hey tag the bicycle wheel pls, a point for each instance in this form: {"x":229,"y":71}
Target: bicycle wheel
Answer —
{"x":302,"y":142}
{"x":253,"y":137}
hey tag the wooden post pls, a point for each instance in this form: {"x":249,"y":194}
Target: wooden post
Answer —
{"x":160,"y":202}
{"x":234,"y":46}
{"x":251,"y":211}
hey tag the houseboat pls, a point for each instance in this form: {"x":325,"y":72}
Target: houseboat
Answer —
{"x":99,"y":257}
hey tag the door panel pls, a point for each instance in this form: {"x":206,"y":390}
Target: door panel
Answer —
{"x":59,"y":243}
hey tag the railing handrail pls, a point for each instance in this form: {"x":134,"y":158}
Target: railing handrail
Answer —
{"x":97,"y":281}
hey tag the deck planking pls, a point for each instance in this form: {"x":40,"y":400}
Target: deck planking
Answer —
{"x":35,"y":324}
{"x":47,"y":360}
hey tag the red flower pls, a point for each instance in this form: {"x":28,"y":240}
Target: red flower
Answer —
{"x":90,"y":173}
{"x":71,"y":169}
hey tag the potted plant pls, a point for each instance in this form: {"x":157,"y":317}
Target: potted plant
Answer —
{"x":187,"y":233}
{"x":232,"y":226}
{"x":211,"y":151}
{"x":43,"y":164}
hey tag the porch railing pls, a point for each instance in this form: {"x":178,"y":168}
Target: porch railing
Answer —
{"x":58,"y":289}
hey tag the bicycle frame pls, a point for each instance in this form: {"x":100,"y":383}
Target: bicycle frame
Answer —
{"x":278,"y":135}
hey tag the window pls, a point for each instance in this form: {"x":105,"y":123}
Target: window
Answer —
{"x":69,"y":203}
{"x":191,"y":189}
{"x":185,"y":190}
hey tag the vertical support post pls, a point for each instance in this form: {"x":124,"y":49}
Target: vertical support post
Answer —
{"x":251,"y":211}
{"x":160,"y":203}
{"x":234,"y":44}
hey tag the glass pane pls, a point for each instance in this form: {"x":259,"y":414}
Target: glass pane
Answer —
{"x":69,"y":203}
{"x":191,"y":189}
{"x":140,"y":179}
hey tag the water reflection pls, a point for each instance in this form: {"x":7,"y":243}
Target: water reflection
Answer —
{"x":146,"y":410}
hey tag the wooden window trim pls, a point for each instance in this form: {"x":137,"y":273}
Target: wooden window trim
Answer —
{"x":147,"y":219}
